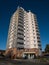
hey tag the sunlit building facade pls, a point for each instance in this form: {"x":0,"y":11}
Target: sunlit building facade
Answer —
{"x":24,"y":32}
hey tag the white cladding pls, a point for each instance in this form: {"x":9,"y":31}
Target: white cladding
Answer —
{"x":30,"y":41}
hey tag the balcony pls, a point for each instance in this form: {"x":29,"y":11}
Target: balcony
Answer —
{"x":20,"y":25}
{"x":22,"y":36}
{"x":20,"y":29}
{"x":19,"y":43}
{"x":39,"y":41}
{"x":20,"y":33}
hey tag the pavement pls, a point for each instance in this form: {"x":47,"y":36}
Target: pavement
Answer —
{"x":22,"y":62}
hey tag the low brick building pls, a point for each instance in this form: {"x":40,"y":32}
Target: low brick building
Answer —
{"x":2,"y":52}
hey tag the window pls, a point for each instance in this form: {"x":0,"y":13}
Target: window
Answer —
{"x":20,"y":33}
{"x":33,"y":33}
{"x":37,"y":27}
{"x":37,"y":30}
{"x":39,"y":41}
{"x":34,"y":44}
{"x":21,"y":22}
{"x":38,"y":34}
{"x":34,"y":41}
{"x":19,"y":48}
{"x":20,"y":43}
{"x":20,"y":29}
{"x":33,"y":30}
{"x":39,"y":44}
{"x":20,"y":25}
{"x":35,"y":19}
{"x":40,"y":48}
{"x":36,"y":24}
{"x":34,"y":37}
{"x":38,"y":37}
{"x":33,"y":27}
{"x":20,"y":38}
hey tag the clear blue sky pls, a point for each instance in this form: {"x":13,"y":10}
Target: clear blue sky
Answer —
{"x":39,"y":7}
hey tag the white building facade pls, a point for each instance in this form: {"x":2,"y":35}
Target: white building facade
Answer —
{"x":23,"y":31}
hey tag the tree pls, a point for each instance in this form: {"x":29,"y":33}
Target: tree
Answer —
{"x":47,"y":48}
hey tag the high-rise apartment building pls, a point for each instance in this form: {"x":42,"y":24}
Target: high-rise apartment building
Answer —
{"x":24,"y":32}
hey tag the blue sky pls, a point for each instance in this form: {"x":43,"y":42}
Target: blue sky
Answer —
{"x":39,"y":7}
